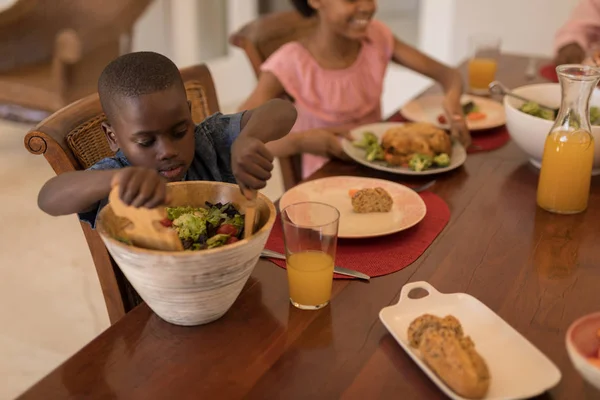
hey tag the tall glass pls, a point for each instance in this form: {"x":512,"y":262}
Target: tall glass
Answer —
{"x":565,"y":177}
{"x":310,"y":232}
{"x":485,"y":50}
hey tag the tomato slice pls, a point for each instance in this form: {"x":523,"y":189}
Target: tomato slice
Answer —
{"x":166,"y":223}
{"x":227,"y":229}
{"x":231,"y":240}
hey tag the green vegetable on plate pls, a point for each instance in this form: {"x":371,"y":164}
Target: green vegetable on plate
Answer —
{"x":441,"y":160}
{"x":420,"y":162}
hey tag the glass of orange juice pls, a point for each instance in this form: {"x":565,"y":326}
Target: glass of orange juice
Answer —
{"x":485,"y":50}
{"x":310,"y":232}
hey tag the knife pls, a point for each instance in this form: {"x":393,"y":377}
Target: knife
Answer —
{"x":338,"y":270}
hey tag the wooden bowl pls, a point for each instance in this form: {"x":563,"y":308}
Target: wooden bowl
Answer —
{"x":190,"y":287}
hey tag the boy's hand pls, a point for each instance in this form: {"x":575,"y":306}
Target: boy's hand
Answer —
{"x":456,"y":119}
{"x":251,"y":163}
{"x":141,"y":187}
{"x":324,"y":142}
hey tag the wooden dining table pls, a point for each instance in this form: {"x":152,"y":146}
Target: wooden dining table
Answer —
{"x":538,"y":271}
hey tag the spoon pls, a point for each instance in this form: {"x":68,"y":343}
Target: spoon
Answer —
{"x":498,"y":88}
{"x":250,"y":212}
{"x":145,"y":229}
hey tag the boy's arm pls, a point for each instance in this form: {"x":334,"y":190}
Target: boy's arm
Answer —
{"x":270,"y":121}
{"x":75,"y":192}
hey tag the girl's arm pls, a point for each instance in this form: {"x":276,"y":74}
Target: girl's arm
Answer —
{"x":449,"y":78}
{"x":268,"y":88}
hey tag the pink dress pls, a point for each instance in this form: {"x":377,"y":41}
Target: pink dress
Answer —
{"x":334,"y":97}
{"x":583,"y":26}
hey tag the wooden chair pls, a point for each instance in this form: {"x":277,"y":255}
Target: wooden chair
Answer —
{"x":261,"y":38}
{"x":54,"y":50}
{"x":71,"y":139}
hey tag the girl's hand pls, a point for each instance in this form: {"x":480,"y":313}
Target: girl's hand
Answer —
{"x":324,"y":142}
{"x":456,"y":119}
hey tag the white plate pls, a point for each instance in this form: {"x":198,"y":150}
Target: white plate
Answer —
{"x":407,"y":211}
{"x":428,"y":109}
{"x":459,"y":155}
{"x":518,"y":369}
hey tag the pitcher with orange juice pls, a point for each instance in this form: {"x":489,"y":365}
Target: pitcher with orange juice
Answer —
{"x":565,"y":177}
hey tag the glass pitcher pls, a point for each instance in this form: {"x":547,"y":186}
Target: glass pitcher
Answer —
{"x":564,"y":184}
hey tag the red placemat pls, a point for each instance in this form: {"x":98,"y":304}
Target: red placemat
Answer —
{"x":487,"y":140}
{"x":383,"y":255}
{"x":548,"y":71}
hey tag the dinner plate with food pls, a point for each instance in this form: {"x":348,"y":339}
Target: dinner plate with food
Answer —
{"x":480,"y":113}
{"x":368,"y":207}
{"x":405,"y":148}
{"x":465,"y":348}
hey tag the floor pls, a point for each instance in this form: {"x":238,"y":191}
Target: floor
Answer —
{"x":50,"y":298}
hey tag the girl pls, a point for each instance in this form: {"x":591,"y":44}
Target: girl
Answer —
{"x":335,"y":76}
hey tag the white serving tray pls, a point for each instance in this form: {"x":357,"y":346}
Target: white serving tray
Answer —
{"x":518,"y":369}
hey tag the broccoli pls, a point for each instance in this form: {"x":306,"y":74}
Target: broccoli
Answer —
{"x":369,"y":139}
{"x":420,"y":162}
{"x":375,"y":153}
{"x":441,"y":160}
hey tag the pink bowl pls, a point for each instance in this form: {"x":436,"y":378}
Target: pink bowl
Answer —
{"x":582,"y":342}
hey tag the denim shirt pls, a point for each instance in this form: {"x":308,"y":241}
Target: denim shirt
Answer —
{"x":212,"y":157}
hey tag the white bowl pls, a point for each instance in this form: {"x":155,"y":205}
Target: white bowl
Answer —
{"x":530,"y":132}
{"x":582,"y":341}
{"x":190,"y":287}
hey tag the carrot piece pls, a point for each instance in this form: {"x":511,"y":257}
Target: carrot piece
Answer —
{"x":476,"y":116}
{"x":352,"y":192}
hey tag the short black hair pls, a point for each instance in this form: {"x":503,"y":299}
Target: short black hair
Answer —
{"x":304,"y":8}
{"x":136,"y":74}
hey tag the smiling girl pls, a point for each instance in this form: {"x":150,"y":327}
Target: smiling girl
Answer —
{"x":335,"y":76}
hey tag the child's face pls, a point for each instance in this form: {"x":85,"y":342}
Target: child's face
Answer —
{"x":349,"y":18}
{"x":155,"y":131}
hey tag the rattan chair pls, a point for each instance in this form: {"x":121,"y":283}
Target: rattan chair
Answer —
{"x":261,"y":38}
{"x":71,"y":139}
{"x":54,"y":50}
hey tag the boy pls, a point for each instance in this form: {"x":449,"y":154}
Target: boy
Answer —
{"x":150,"y":127}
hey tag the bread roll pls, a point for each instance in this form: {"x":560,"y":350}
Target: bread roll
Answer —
{"x":372,"y":200}
{"x":450,"y":354}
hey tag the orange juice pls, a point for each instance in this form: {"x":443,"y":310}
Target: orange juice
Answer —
{"x":564,"y":185}
{"x":482,"y":72}
{"x":310,"y":276}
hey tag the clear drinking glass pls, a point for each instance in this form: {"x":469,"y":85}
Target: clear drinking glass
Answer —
{"x":565,"y":176}
{"x":310,"y":232}
{"x":485,"y":51}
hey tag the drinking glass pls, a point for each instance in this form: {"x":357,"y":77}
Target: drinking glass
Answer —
{"x":485,"y":51}
{"x":310,"y":232}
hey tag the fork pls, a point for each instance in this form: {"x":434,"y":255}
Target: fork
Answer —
{"x":423,"y":187}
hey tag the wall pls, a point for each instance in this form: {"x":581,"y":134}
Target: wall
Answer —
{"x":444,"y":27}
{"x":526,"y":27}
